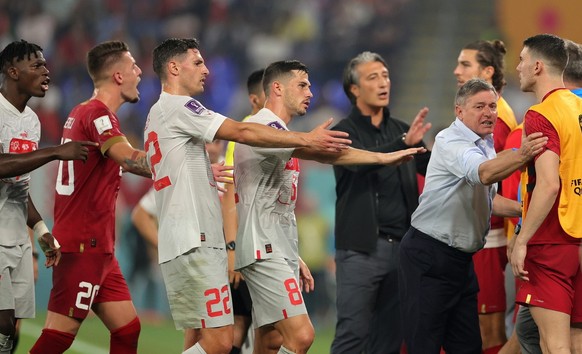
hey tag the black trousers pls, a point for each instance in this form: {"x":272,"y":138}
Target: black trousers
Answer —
{"x":438,"y":297}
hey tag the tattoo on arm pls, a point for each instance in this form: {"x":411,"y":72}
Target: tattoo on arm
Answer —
{"x":137,"y":164}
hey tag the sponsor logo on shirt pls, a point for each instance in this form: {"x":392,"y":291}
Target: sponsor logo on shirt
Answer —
{"x":276,"y":125}
{"x":19,"y":146}
{"x":103,"y":124}
{"x":195,"y":107}
{"x":69,"y":123}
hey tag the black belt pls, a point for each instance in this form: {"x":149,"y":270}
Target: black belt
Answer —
{"x":389,"y":238}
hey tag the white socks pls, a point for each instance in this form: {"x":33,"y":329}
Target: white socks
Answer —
{"x":196,"y":349}
{"x":284,"y":350}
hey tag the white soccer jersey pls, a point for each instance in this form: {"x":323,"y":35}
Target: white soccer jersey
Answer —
{"x":266,"y":187}
{"x":19,"y":133}
{"x":187,"y":203}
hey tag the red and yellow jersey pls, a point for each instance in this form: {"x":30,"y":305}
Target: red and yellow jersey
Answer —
{"x":563,"y":110}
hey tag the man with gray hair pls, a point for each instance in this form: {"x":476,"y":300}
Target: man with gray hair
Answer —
{"x":373,"y":209}
{"x":438,"y":286}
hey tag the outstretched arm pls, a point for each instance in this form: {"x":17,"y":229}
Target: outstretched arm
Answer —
{"x":12,"y":165}
{"x":353,"y":156}
{"x":254,"y":134}
{"x":508,"y":161}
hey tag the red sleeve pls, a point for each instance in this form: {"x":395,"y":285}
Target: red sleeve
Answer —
{"x":500,"y":134}
{"x":101,"y":126}
{"x":535,"y":122}
{"x":510,"y":185}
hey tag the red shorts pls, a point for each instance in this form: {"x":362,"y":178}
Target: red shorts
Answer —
{"x":83,"y":279}
{"x":490,"y":269}
{"x":555,"y":280}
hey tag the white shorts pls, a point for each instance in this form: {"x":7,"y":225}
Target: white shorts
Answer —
{"x":17,"y":280}
{"x":198,"y":290}
{"x":275,"y":291}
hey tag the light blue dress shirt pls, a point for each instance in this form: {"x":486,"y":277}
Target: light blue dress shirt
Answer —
{"x":455,"y":207}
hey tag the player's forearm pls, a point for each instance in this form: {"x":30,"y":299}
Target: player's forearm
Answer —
{"x":263,"y":136}
{"x":506,"y":207}
{"x":33,"y":214}
{"x":229,"y":214}
{"x":146,"y":225}
{"x":497,"y":169}
{"x":12,"y":165}
{"x":137,"y":164}
{"x":542,"y":200}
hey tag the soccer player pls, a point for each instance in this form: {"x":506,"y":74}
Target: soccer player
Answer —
{"x":191,"y":240}
{"x":88,"y":277}
{"x":23,"y":75}
{"x":545,"y":253}
{"x":241,"y":299}
{"x":266,"y":188}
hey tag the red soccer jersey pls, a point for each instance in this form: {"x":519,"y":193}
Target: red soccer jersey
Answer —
{"x":86,"y":192}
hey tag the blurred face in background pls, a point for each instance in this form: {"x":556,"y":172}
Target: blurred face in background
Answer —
{"x":469,"y":68}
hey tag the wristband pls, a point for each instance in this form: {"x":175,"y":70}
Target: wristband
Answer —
{"x":40,"y":229}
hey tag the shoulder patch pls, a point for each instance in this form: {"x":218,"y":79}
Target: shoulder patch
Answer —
{"x":276,"y":125}
{"x":195,"y":106}
{"x":102,"y":124}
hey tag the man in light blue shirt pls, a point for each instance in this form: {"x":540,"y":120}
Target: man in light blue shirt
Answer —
{"x":439,"y":288}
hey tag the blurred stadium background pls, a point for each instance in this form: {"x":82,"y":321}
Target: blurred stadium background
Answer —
{"x":420,"y":39}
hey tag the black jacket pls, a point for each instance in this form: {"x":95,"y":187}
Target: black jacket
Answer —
{"x":357,"y":187}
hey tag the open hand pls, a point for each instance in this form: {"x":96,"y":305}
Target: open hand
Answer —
{"x":323,"y":139}
{"x":51,"y":249}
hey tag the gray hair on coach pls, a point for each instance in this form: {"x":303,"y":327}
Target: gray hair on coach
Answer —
{"x":471,"y":88}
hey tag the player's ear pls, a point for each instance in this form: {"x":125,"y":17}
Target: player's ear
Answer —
{"x":12,"y":72}
{"x":118,"y":77}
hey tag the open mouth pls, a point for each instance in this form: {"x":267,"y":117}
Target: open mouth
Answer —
{"x":45,"y":84}
{"x":487,"y":123}
{"x":383,"y":95}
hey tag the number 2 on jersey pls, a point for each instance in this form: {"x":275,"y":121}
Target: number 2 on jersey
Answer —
{"x":156,"y":157}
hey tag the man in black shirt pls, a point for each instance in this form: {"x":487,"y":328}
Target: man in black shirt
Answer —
{"x":373,"y":209}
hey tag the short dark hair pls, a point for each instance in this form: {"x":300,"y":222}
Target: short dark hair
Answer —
{"x":471,"y":88}
{"x":490,"y":53}
{"x":104,"y":55}
{"x":280,"y":69}
{"x":350,"y":76}
{"x":255,"y":81}
{"x":549,"y":47}
{"x":573,"y":70}
{"x":171,"y":48}
{"x":17,"y":50}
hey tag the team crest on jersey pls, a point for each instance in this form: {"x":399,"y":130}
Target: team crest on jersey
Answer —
{"x":276,"y":125}
{"x":195,"y":107}
{"x":268,"y":248}
{"x":19,"y":146}
{"x":580,"y":121}
{"x":69,"y":123}
{"x":202,"y":237}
